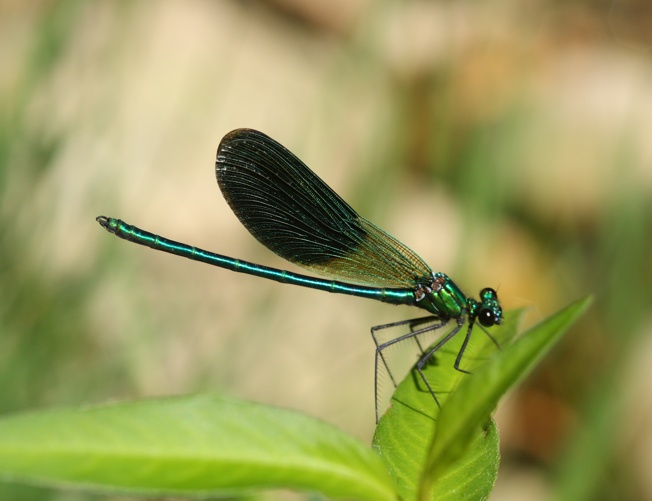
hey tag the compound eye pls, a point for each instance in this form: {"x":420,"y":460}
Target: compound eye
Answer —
{"x":486,"y":318}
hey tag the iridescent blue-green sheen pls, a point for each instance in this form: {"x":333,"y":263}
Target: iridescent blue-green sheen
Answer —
{"x":142,"y":237}
{"x":291,"y":211}
{"x":295,"y":214}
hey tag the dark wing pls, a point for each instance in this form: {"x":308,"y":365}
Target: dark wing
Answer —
{"x":295,"y":214}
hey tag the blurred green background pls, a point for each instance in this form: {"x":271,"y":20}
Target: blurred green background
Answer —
{"x":506,"y":142}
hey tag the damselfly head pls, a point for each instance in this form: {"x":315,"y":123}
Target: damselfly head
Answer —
{"x":489,"y":312}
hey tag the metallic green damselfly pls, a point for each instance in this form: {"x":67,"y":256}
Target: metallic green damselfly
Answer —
{"x":292,"y":212}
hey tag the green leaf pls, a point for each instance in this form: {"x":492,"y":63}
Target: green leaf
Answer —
{"x":406,"y":430}
{"x":452,"y":452}
{"x":188,"y":446}
{"x":477,"y":395}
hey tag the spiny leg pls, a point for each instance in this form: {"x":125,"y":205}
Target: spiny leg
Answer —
{"x":412,"y":322}
{"x":493,"y":339}
{"x":425,"y":358}
{"x":460,"y":353}
{"x":412,"y":334}
{"x":422,"y":362}
{"x":466,"y":341}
